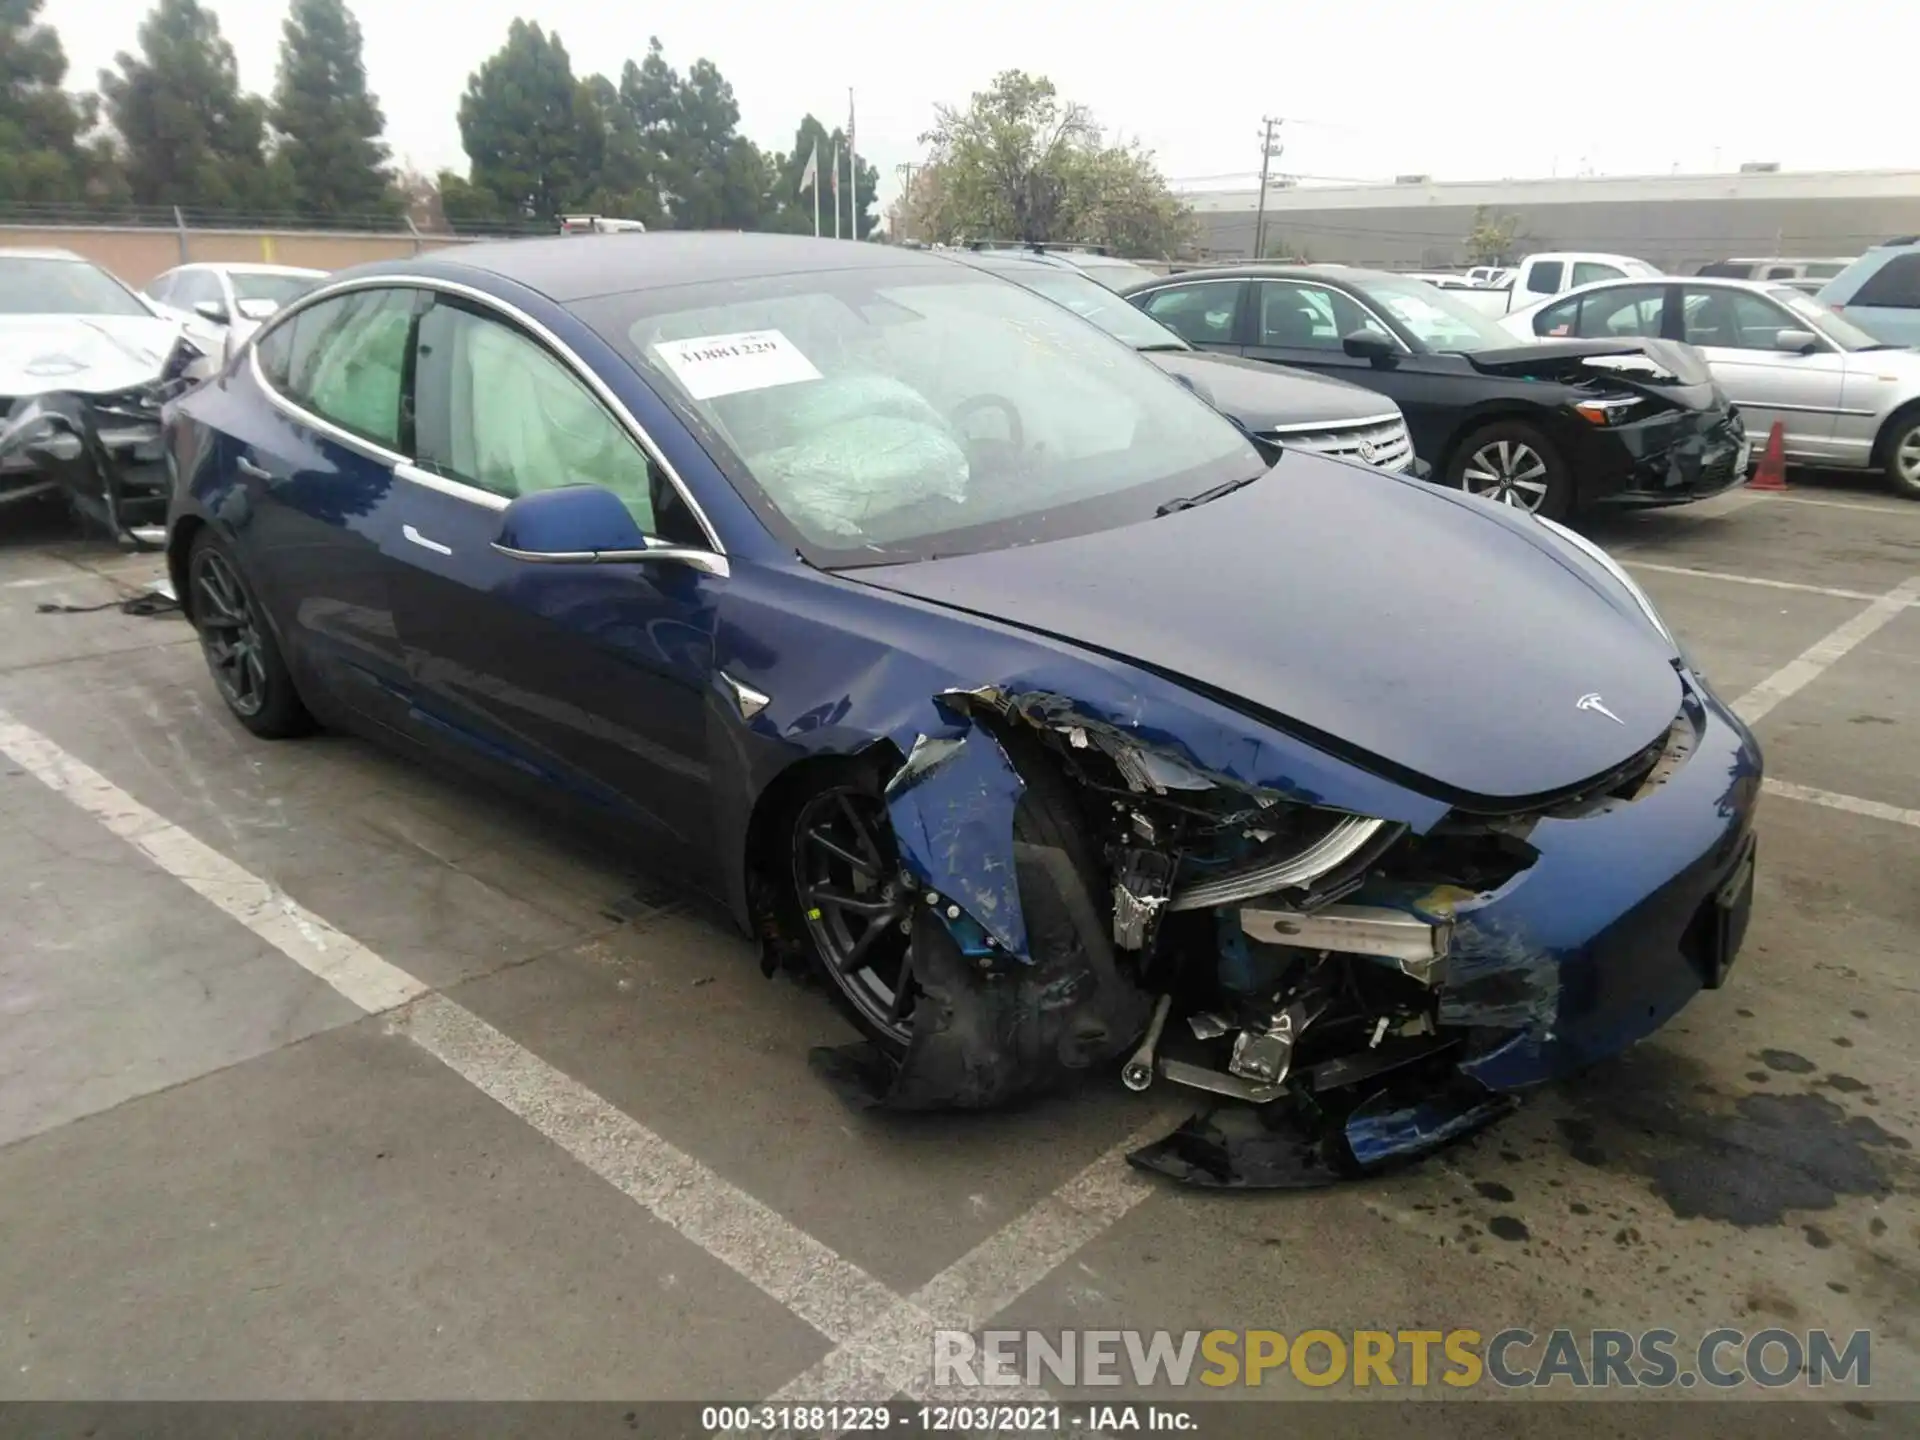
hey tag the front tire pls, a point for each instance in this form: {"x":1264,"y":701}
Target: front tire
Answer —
{"x":242,"y":654}
{"x":1900,"y":454}
{"x":1512,"y":462}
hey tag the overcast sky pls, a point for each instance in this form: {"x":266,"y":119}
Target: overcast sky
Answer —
{"x":1460,"y":91}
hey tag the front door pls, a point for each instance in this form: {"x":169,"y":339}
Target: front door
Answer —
{"x":316,"y":467}
{"x":1736,"y":330}
{"x":587,"y":680}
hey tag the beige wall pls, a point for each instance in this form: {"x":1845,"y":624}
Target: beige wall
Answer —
{"x":137,"y":255}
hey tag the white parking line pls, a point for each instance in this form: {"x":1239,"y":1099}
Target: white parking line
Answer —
{"x":1911,"y":512}
{"x":892,"y":1355}
{"x":833,"y":1295}
{"x":1750,"y":580}
{"x":1801,"y":671}
{"x":1852,"y":804}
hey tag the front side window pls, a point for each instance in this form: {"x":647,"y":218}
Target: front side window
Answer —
{"x":1733,"y":319}
{"x":495,"y":409}
{"x":1311,"y":317}
{"x":1895,"y":285}
{"x":35,"y":285}
{"x":347,"y":358}
{"x":1589,"y":272}
{"x":197,"y":287}
{"x":277,"y":289}
{"x":1199,"y":314}
{"x":161,"y":286}
{"x":886,"y":413}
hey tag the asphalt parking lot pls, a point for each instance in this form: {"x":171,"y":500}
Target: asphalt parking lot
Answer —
{"x":324,"y":1077}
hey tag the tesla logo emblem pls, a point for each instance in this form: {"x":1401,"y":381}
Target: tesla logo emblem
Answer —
{"x":1592,"y":701}
{"x":1367,"y":452}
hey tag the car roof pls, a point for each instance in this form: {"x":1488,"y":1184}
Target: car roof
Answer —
{"x":1716,"y":282}
{"x":40,"y":252}
{"x":1269,"y":271}
{"x":566,"y":268}
{"x":247,"y":267}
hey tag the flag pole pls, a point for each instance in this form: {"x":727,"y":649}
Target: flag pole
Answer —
{"x":836,"y":192}
{"x":816,"y":189}
{"x":853,"y":175}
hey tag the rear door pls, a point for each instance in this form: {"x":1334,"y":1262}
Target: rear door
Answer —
{"x":1736,"y":329}
{"x":316,"y":464}
{"x":1204,"y":313}
{"x":587,"y":682}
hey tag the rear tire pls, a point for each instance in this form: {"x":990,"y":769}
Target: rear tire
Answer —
{"x":1900,"y":453}
{"x":1512,"y":462}
{"x":241,"y":651}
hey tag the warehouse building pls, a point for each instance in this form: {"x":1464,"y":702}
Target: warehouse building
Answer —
{"x":1678,"y":222}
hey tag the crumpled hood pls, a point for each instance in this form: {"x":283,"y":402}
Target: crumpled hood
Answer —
{"x":87,"y":354}
{"x":1685,"y":367}
{"x":1262,"y":396}
{"x":1397,"y":624}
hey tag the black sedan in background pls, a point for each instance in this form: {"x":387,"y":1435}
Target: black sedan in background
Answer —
{"x":1552,"y":427}
{"x":1283,"y":407}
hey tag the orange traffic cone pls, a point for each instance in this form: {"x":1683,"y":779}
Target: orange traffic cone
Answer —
{"x":1771,"y":474}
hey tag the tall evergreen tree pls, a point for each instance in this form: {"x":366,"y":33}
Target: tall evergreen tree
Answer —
{"x":522,"y":122}
{"x":43,"y":155}
{"x":329,"y":125}
{"x":191,"y":136}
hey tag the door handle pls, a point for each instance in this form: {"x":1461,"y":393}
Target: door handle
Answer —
{"x":417,"y":538}
{"x":247,"y":467}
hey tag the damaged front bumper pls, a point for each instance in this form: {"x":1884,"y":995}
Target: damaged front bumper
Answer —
{"x":1678,"y":458}
{"x":1374,"y":992}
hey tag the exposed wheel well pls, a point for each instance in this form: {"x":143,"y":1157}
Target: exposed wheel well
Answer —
{"x":764,"y":861}
{"x":1905,"y":414}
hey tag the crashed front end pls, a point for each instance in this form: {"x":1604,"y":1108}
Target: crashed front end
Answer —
{"x":103,"y":453}
{"x":1346,"y":990}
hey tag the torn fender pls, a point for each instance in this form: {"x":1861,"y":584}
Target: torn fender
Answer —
{"x":952,"y":807}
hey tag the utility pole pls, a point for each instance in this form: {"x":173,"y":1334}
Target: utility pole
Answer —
{"x":905,"y":171}
{"x":1269,"y":152}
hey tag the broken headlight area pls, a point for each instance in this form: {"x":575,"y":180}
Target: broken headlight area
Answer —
{"x":104,"y":454}
{"x":1088,"y":899}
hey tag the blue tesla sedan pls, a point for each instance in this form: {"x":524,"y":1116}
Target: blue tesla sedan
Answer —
{"x":970,"y":661}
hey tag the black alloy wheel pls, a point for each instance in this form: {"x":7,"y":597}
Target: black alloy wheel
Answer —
{"x":858,"y":907}
{"x":229,"y":633}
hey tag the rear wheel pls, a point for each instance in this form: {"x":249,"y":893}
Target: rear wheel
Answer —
{"x":241,"y":651}
{"x":1514,"y":463}
{"x":1900,"y":454}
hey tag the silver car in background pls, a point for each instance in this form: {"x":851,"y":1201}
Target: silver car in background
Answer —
{"x":1843,"y":398}
{"x":221,"y":303}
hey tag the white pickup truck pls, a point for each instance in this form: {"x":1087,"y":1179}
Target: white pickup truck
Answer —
{"x":1539,"y":276}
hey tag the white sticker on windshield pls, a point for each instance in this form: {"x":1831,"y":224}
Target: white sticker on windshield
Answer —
{"x":712,"y":365}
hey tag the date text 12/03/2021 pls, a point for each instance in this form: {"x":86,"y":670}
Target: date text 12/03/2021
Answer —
{"x":979,"y":1419}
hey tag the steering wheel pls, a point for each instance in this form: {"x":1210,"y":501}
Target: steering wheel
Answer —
{"x":996,"y":404}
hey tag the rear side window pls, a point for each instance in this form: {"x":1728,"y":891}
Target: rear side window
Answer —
{"x":1726,"y":270}
{"x":1586,"y":272}
{"x":1628,"y":311}
{"x":347,"y":359}
{"x":1558,"y":319}
{"x":1544,"y":278}
{"x":1199,"y":314}
{"x":495,"y":409}
{"x":1894,"y":286}
{"x":275,"y":351}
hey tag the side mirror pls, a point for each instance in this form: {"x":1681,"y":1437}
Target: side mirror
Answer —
{"x":257,"y":309}
{"x":1796,"y":342}
{"x":212,"y":310}
{"x":1369,"y":345}
{"x":587,"y":525}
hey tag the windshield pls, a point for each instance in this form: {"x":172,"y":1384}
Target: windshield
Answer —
{"x":1093,"y":301}
{"x":280,"y":289}
{"x":883,"y":414}
{"x":1438,"y":320}
{"x":1837,"y":328}
{"x":47,"y":286}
